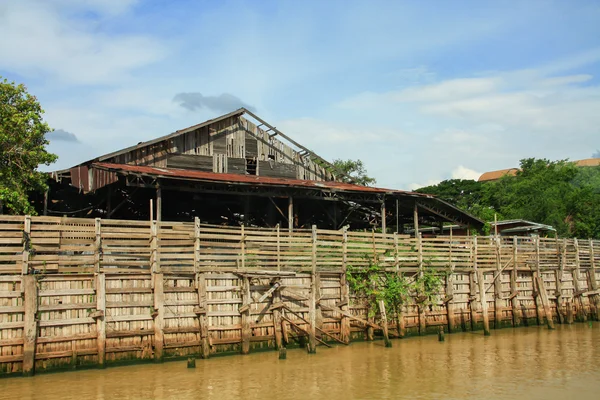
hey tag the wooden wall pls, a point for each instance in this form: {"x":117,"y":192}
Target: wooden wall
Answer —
{"x":80,"y":292}
{"x":235,"y":139}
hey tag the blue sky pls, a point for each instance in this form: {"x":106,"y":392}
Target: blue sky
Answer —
{"x":420,"y":91}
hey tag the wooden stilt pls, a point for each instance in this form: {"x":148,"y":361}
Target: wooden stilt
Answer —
{"x":312,"y":306}
{"x":498,"y":301}
{"x":277,"y":321}
{"x":101,"y":320}
{"x":246,"y":330}
{"x":543,"y":294}
{"x":202,"y":318}
{"x":484,"y":304}
{"x":290,"y":214}
{"x":581,"y":312}
{"x":159,"y":307}
{"x":593,"y":284}
{"x":561,"y":256}
{"x":514,"y":289}
{"x":30,"y":327}
{"x":384,"y":324}
{"x":344,"y":290}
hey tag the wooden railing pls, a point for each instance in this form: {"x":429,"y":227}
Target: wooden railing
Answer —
{"x":45,"y":245}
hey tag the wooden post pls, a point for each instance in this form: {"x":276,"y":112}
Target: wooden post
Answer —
{"x":26,"y":245}
{"x":383,"y":217}
{"x":243,"y":247}
{"x":154,"y":256}
{"x":562,"y":257}
{"x":278,"y":249}
{"x":450,"y":314}
{"x":344,"y":290}
{"x":101,"y":321}
{"x":46,"y":202}
{"x":384,"y":324}
{"x":158,"y":203}
{"x":29,"y":324}
{"x":159,"y":308}
{"x":498,"y":306}
{"x":196,"y":245}
{"x":473,"y":285}
{"x":97,"y":245}
{"x":543,"y":294}
{"x":514,"y":290}
{"x":246,"y":329}
{"x":594,"y":299}
{"x":416,"y":219}
{"x":290,"y":214}
{"x":312,"y":306}
{"x":581,"y":313}
{"x":203,"y":319}
{"x":277,"y":321}
{"x":570,"y":311}
{"x":484,"y":304}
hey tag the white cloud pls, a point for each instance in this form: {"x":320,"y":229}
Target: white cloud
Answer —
{"x":43,"y":39}
{"x":462,"y":172}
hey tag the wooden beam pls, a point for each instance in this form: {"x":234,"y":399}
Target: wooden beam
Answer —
{"x":383,"y":218}
{"x":384,"y":324}
{"x":202,"y":318}
{"x":246,"y":329}
{"x":484,"y":304}
{"x":344,"y":289}
{"x":158,"y":203}
{"x":514,"y":301}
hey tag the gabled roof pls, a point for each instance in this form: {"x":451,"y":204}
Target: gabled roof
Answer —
{"x":494,"y":175}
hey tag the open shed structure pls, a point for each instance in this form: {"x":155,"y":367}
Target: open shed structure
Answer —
{"x":230,"y":170}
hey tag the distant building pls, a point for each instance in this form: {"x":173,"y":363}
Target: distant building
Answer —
{"x":510,"y":227}
{"x":495,"y":175}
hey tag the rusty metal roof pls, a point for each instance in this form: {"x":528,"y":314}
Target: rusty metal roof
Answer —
{"x":203,"y":176}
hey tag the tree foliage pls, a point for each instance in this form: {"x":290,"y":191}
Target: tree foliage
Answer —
{"x":22,"y":147}
{"x":354,"y":172}
{"x":556,"y":193}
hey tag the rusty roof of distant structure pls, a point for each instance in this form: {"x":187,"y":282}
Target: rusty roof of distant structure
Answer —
{"x":494,"y":175}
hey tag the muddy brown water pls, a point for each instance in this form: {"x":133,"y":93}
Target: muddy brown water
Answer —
{"x":523,"y":363}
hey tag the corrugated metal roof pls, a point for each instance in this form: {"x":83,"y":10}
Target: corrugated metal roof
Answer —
{"x":246,"y":179}
{"x":493,"y":175}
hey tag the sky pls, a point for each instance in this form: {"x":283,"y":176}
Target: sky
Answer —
{"x":419,"y":91}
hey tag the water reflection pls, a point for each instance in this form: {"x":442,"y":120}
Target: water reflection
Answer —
{"x":525,"y":363}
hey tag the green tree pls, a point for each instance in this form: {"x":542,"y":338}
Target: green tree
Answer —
{"x":354,"y":172}
{"x":22,"y":147}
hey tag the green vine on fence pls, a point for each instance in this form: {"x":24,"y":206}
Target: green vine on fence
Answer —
{"x":373,"y":283}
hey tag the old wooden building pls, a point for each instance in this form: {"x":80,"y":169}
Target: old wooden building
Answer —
{"x":234,"y":169}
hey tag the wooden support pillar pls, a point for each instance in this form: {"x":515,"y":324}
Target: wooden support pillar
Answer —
{"x":562,"y":257}
{"x":290,"y":214}
{"x":202,"y":318}
{"x":542,"y":293}
{"x":246,"y":329}
{"x":581,"y":312}
{"x":109,"y":210}
{"x":101,"y":320}
{"x":277,"y":321}
{"x":384,"y":324}
{"x":158,"y":203}
{"x":383,"y":217}
{"x":278,"y":248}
{"x":154,"y":253}
{"x":242,"y":247}
{"x":196,"y":245}
{"x":484,"y":304}
{"x":26,"y":245}
{"x":416,"y":219}
{"x":514,"y":288}
{"x":159,"y":312}
{"x":344,"y":290}
{"x":450,"y":312}
{"x":29,"y":323}
{"x":97,"y":244}
{"x":593,"y":284}
{"x":473,"y":285}
{"x":312,"y":304}
{"x":498,"y":306}
{"x":46,"y":193}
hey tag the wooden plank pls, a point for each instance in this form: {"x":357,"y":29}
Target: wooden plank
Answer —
{"x":484,"y":304}
{"x":514,"y":301}
{"x":344,"y":290}
{"x":30,"y":327}
{"x":384,"y":324}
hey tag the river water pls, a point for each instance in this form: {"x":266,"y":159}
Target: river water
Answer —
{"x":523,"y":363}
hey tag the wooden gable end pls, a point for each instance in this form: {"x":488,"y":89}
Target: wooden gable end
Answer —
{"x":231,"y":145}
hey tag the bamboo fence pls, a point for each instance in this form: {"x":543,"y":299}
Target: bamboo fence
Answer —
{"x":82,"y":292}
